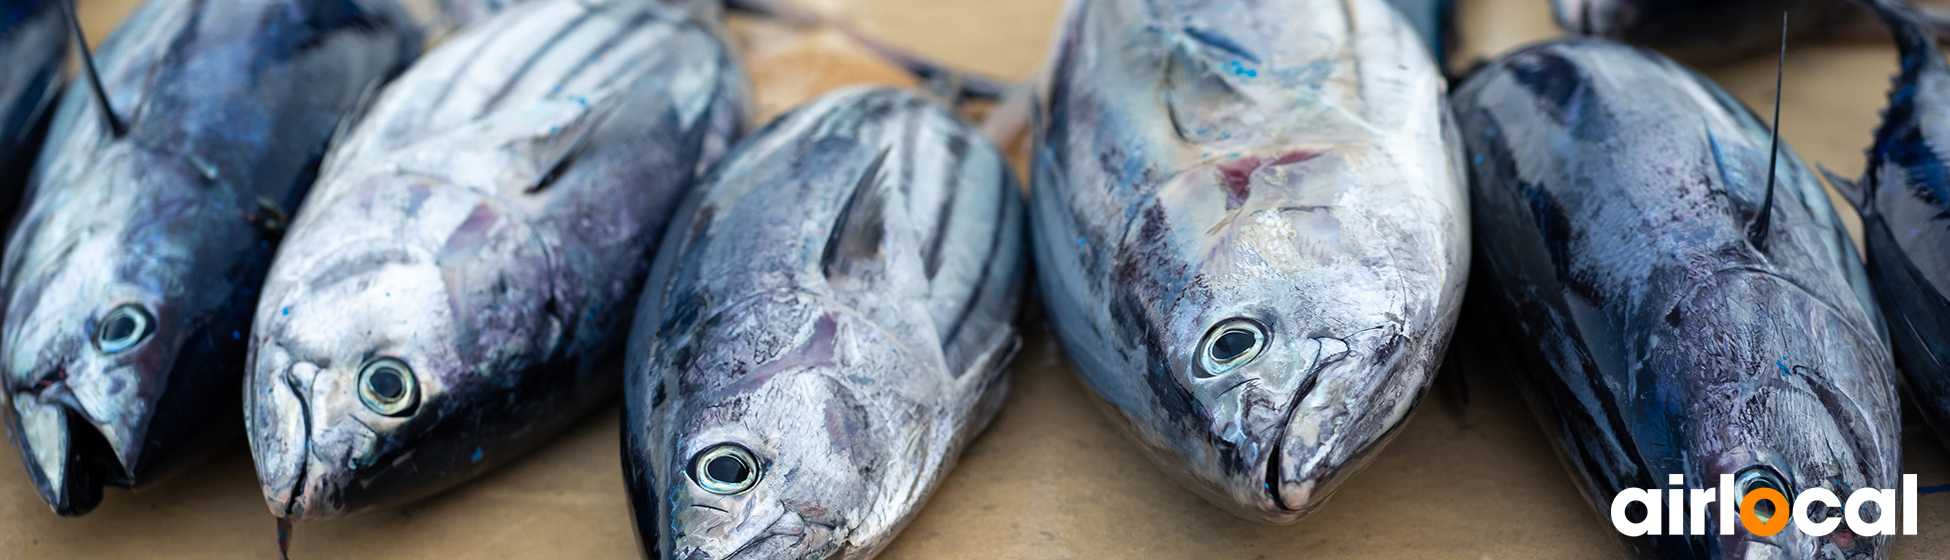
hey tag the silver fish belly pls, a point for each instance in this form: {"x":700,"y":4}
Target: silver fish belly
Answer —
{"x":824,"y":331}
{"x":1252,"y":240}
{"x":474,"y":249}
{"x":134,"y":265}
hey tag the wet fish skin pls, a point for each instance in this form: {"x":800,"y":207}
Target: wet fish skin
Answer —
{"x":1302,"y":175}
{"x":1696,"y":30}
{"x":1904,"y":190}
{"x":228,"y":106}
{"x":488,"y":223}
{"x":838,"y":300}
{"x":34,"y":41}
{"x":1614,"y":191}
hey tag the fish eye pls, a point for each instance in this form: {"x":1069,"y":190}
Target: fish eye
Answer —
{"x":123,"y":328}
{"x":388,"y":387}
{"x":1758,"y":477}
{"x":725,"y":469}
{"x":1231,"y":344}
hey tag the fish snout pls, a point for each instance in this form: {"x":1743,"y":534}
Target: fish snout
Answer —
{"x":1354,"y":402}
{"x":67,"y":459}
{"x":279,"y":431}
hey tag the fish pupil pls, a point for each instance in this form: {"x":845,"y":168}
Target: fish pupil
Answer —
{"x":727,"y":469}
{"x":1230,"y":345}
{"x":386,"y":383}
{"x":120,"y":328}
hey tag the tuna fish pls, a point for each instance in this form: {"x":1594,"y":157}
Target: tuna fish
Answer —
{"x":824,"y":330}
{"x":149,"y":222}
{"x":1252,"y":240}
{"x":474,"y":249}
{"x":33,"y":42}
{"x":1904,"y":201}
{"x":1676,"y":303}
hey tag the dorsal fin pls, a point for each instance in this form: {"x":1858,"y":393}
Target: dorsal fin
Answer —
{"x":113,"y":121}
{"x":857,"y":231}
{"x":1757,"y":231}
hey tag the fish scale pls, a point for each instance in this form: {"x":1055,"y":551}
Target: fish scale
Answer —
{"x":837,"y":305}
{"x":482,"y":229}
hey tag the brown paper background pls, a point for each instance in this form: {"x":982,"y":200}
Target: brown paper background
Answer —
{"x":1050,"y":479}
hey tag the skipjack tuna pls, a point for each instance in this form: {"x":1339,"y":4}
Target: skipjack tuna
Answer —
{"x":33,"y":42}
{"x":824,"y":331}
{"x":1674,"y":308}
{"x":1903,"y":199}
{"x":1260,"y":274}
{"x":475,"y":247}
{"x":151,"y":218}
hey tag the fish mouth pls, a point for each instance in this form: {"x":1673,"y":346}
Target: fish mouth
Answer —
{"x":68,"y":458}
{"x":280,"y":440}
{"x":1320,"y":444}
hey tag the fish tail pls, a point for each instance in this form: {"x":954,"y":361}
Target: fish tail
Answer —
{"x":1914,"y":34}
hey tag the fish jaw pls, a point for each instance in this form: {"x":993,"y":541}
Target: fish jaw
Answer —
{"x":280,"y":429}
{"x":1353,"y":325}
{"x":68,"y":471}
{"x":320,"y":452}
{"x":70,"y":397}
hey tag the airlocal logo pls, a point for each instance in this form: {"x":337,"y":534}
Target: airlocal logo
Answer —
{"x":1761,"y":510}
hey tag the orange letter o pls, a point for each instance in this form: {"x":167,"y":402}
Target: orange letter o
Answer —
{"x":1753,"y":522}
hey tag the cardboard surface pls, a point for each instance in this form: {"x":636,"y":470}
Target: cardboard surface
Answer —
{"x":1050,"y":479}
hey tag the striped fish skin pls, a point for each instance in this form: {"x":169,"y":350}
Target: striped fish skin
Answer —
{"x":485,"y":229}
{"x":1903,"y":199}
{"x":1299,"y":186}
{"x":837,"y":303}
{"x":34,"y":42}
{"x":132,"y":270}
{"x":1614,"y":193}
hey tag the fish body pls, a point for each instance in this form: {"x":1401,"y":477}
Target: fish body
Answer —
{"x":1697,"y":30}
{"x":1661,"y":325}
{"x":34,"y":42}
{"x":825,"y":329}
{"x":474,"y":248}
{"x":132,"y":269}
{"x":1904,"y":202}
{"x":1252,"y":240}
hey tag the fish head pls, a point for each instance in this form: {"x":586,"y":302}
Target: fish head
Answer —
{"x":97,"y":318}
{"x":1787,"y":394}
{"x":383,"y":328}
{"x":1281,"y":349}
{"x":790,"y":456}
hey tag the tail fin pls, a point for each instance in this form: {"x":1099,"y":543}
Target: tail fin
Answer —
{"x":1914,"y":33}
